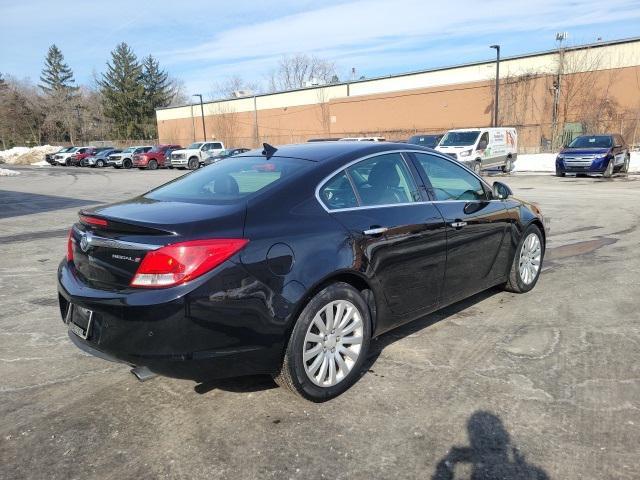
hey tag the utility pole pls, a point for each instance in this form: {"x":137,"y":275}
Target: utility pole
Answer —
{"x":193,"y":125}
{"x":497,"y":93}
{"x":204,"y":130}
{"x":557,"y":83}
{"x":255,"y":121}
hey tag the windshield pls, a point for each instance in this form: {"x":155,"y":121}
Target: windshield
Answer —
{"x":157,"y":148}
{"x":74,"y":149}
{"x":129,"y":150}
{"x":195,"y":146}
{"x":596,"y":141}
{"x":429,"y":141}
{"x":228,"y":182}
{"x":66,"y":149}
{"x":459,"y":139}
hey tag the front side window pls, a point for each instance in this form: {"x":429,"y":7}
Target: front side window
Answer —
{"x":449,"y":180}
{"x":383,"y":180}
{"x":228,"y":182}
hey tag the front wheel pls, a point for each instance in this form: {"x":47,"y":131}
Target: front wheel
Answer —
{"x":477,"y":168}
{"x":559,"y":173}
{"x":328,"y":345}
{"x":527,"y":262}
{"x":625,"y":166}
{"x":99,"y":164}
{"x":608,"y":173}
{"x":127,"y":164}
{"x":194,"y":163}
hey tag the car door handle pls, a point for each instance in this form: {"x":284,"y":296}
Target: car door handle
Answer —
{"x":375,"y":231}
{"x":458,"y":224}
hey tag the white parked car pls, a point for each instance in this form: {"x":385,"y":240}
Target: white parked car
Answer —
{"x":480,"y":148}
{"x":125,"y":157}
{"x":61,"y":158}
{"x":195,"y":154}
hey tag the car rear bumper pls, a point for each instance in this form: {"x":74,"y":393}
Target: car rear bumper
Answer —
{"x":217,"y":328}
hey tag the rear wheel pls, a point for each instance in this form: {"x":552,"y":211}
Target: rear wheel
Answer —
{"x":608,"y":173}
{"x":328,"y":345}
{"x":527,"y":262}
{"x":508,"y":165}
{"x":194,"y":163}
{"x":100,"y":164}
{"x":152,"y":165}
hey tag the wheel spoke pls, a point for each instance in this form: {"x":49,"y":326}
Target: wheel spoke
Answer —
{"x":320,"y":377}
{"x":348,"y":315}
{"x":349,"y":353}
{"x":351,"y":327}
{"x":313,"y":338}
{"x":320,"y":324}
{"x":315,"y":365}
{"x":312,"y":352}
{"x":332,"y":369}
{"x":351,"y":340}
{"x":344,"y":368}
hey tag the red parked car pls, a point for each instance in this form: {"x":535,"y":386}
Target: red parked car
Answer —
{"x":81,"y":153}
{"x":154,"y":158}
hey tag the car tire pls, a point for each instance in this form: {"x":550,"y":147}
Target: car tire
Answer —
{"x":126,"y":163}
{"x":508,"y":165}
{"x":152,"y":165}
{"x":67,"y":163}
{"x":477,"y":168}
{"x":99,"y":164}
{"x":625,"y":165}
{"x":608,"y":173}
{"x":193,"y":164}
{"x":317,"y":365}
{"x":527,"y":261}
{"x":559,"y":173}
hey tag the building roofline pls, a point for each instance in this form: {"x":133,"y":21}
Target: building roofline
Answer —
{"x":418,"y":72}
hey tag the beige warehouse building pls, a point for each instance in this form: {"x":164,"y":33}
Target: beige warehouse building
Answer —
{"x":547,"y":95}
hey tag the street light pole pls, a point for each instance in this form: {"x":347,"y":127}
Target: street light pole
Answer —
{"x":204,"y":131}
{"x":497,"y":94}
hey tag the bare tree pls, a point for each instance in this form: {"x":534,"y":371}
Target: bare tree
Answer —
{"x":296,"y":70}
{"x":226,"y":123}
{"x":323,"y":112}
{"x":228,"y":86}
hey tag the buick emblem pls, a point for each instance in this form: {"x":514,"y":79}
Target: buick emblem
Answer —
{"x":85,"y":242}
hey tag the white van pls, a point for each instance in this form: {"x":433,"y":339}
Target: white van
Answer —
{"x":480,"y":148}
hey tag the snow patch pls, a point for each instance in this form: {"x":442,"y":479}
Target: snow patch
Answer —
{"x":26,"y":155}
{"x":4,"y":172}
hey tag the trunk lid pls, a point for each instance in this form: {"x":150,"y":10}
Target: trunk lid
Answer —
{"x":108,"y":256}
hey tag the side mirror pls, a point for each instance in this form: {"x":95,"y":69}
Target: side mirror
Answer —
{"x":482,"y":145}
{"x":501,"y":190}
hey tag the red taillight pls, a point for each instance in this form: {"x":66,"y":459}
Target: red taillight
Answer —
{"x":181,"y":262}
{"x":101,"y":222}
{"x":70,"y":246}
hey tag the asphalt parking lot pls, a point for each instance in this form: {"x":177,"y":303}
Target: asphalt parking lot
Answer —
{"x":541,"y":385}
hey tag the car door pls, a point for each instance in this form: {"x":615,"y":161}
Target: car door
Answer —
{"x":399,"y":238}
{"x":619,"y":152}
{"x":477,"y":241}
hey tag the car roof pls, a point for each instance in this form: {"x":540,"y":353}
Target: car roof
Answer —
{"x":326,"y":151}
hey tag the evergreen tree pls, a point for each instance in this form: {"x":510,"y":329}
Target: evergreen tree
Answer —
{"x":123,"y":92}
{"x":57,"y":77}
{"x":158,"y":91}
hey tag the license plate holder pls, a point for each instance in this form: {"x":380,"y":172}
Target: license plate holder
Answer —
{"x":80,"y":320}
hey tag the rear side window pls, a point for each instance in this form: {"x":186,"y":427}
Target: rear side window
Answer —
{"x":228,"y":182}
{"x":338,"y":193}
{"x":383,"y":180}
{"x":449,"y":180}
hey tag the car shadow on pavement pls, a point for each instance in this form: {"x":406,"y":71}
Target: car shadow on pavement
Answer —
{"x":246,"y":384}
{"x":16,"y":204}
{"x":380,"y":343}
{"x":490,"y":455}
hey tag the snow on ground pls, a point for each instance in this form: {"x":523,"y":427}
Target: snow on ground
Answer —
{"x":41,"y":163}
{"x":26,"y":155}
{"x":546,"y":162}
{"x":4,"y":172}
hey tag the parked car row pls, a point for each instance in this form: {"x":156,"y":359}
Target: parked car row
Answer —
{"x":144,"y":156}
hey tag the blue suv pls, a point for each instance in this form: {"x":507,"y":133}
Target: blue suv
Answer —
{"x":594,"y":154}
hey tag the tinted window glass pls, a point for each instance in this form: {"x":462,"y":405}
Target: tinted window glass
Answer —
{"x":429,"y":141}
{"x":337,"y":193}
{"x":227,"y":182}
{"x":217,"y":146}
{"x":384,"y":180}
{"x":449,"y":180}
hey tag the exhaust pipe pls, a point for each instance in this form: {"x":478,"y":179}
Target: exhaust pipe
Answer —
{"x":143,"y":373}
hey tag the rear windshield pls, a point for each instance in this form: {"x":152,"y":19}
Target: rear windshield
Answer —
{"x":459,"y":139}
{"x":596,"y":141}
{"x":228,"y":182}
{"x":425,"y":140}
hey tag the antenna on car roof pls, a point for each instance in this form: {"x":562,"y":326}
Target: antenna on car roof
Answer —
{"x":269,"y":150}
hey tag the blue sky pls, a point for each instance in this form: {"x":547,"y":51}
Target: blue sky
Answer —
{"x":202,"y":42}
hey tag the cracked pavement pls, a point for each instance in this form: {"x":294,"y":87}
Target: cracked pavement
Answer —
{"x":541,"y":385}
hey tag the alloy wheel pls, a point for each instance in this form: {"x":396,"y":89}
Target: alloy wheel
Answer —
{"x":530,"y":257}
{"x":332,"y":343}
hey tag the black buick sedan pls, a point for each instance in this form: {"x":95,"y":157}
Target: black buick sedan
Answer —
{"x":288,"y":261}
